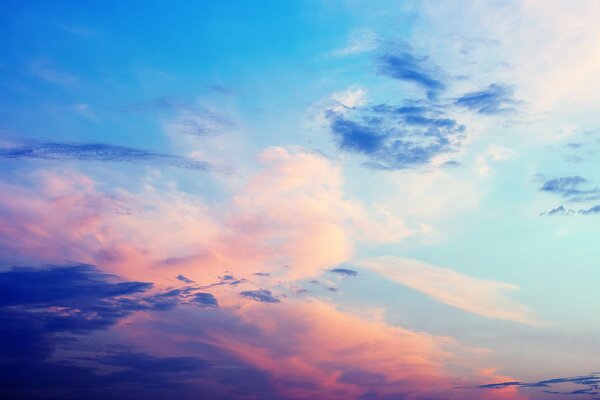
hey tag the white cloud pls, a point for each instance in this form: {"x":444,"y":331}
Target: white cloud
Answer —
{"x":359,"y":41}
{"x":482,"y":297}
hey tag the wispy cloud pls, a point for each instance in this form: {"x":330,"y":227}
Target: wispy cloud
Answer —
{"x":262,"y":295}
{"x":591,"y":384}
{"x":482,"y":297}
{"x":344,"y":271}
{"x":102,"y":152}
{"x":495,"y":99}
{"x":407,"y":67}
{"x":561,"y":210}
{"x":359,"y":41}
{"x":574,"y":188}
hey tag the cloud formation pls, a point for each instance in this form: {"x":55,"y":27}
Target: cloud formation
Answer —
{"x":495,"y":99}
{"x":574,"y":188}
{"x":100,"y":152}
{"x":393,"y":137}
{"x":486,"y":298}
{"x":591,"y":384}
{"x":407,"y":67}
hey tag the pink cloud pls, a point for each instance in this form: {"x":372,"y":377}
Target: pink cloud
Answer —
{"x":310,"y":349}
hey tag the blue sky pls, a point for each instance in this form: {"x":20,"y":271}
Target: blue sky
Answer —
{"x":302,"y":199}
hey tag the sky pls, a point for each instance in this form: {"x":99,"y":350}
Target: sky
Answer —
{"x":300,"y":200}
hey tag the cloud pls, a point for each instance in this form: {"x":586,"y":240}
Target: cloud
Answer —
{"x":344,"y":271}
{"x":206,"y":299}
{"x":486,"y":298}
{"x":183,"y":279}
{"x":571,"y":188}
{"x":101,"y":152}
{"x":495,"y":99}
{"x":359,"y":41}
{"x":591,"y":382}
{"x":591,"y":210}
{"x":201,"y":122}
{"x":410,"y":68}
{"x":49,"y":314}
{"x":304,"y":356}
{"x":44,"y":70}
{"x":262,"y":295}
{"x":396,"y":137}
{"x":72,"y":286}
{"x":560,"y":210}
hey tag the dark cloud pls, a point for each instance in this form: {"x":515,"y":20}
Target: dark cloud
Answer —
{"x":184,"y":279}
{"x":100,"y":152}
{"x":560,"y":210}
{"x":344,"y":271}
{"x":591,"y":381}
{"x":144,"y":363}
{"x":205,"y":299}
{"x":592,"y":210}
{"x":410,"y":68}
{"x":495,"y":99}
{"x":262,"y":295}
{"x":573,"y":188}
{"x":262,"y":274}
{"x":46,"y":311}
{"x":396,"y":137}
{"x":78,"y":285}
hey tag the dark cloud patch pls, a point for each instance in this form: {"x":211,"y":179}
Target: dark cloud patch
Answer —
{"x":184,"y":279}
{"x":144,"y":363}
{"x":344,"y":271}
{"x":46,"y":311}
{"x":560,"y":210}
{"x":396,"y":137}
{"x":362,"y":378}
{"x":591,"y":383}
{"x":573,"y":188}
{"x":262,"y":274}
{"x":131,"y":375}
{"x":71,"y":286}
{"x":205,"y":299}
{"x":100,"y":152}
{"x":407,"y":67}
{"x":262,"y":295}
{"x":592,"y":210}
{"x":495,"y":99}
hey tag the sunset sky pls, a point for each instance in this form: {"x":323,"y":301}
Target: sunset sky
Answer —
{"x":304,"y":199}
